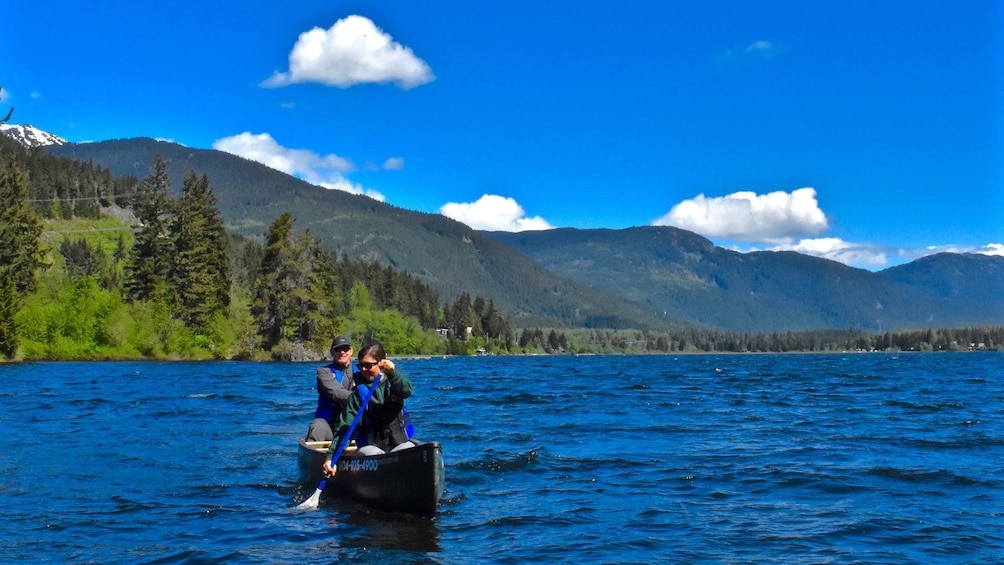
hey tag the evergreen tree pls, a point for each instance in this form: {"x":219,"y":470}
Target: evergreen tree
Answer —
{"x":151,"y":256}
{"x":201,"y":273}
{"x":82,"y":260}
{"x":22,"y":253}
{"x":9,"y":307}
{"x":311,"y":316}
{"x":120,"y":252}
{"x":271,"y":303}
{"x":289,"y":300}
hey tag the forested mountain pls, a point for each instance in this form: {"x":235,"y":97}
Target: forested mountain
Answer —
{"x":445,"y":254}
{"x":956,"y":276}
{"x":681,"y":273}
{"x":644,"y":277}
{"x":163,"y":279}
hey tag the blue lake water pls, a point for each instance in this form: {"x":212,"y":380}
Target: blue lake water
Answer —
{"x":877,"y":458}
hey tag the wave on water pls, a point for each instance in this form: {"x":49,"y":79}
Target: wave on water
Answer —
{"x":704,"y":458}
{"x":500,"y":462}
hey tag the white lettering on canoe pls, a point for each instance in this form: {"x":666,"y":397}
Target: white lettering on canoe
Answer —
{"x":356,"y":465}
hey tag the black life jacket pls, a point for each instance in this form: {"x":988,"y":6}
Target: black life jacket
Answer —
{"x":383,"y":424}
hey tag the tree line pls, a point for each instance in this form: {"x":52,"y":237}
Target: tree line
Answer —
{"x":538,"y":340}
{"x":177,"y":285}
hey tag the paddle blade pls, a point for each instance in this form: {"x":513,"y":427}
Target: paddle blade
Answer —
{"x":315,"y":499}
{"x":312,"y":502}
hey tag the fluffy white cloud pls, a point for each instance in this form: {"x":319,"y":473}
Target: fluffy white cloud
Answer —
{"x":493,"y":213}
{"x":327,"y":170}
{"x":993,"y":249}
{"x":778,"y":217}
{"x":353,"y":51}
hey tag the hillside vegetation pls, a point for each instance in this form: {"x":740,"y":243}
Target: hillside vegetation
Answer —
{"x":449,"y":256}
{"x":656,"y":278}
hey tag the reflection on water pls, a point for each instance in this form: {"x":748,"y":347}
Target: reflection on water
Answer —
{"x":386,"y":530}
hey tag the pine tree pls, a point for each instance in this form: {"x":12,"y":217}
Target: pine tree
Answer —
{"x":152,"y":251}
{"x":310,"y":315}
{"x":289,"y":298}
{"x":201,"y":272}
{"x":21,"y":255}
{"x":9,"y":307}
{"x":271,"y":304}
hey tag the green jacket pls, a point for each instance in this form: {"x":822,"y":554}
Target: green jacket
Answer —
{"x":382,"y":424}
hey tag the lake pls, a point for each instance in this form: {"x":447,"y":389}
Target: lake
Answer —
{"x":836,"y":458}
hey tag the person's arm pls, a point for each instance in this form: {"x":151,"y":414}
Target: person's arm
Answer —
{"x":398,"y":380}
{"x":345,"y":419}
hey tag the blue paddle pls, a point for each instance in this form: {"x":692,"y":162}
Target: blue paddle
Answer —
{"x":315,"y":498}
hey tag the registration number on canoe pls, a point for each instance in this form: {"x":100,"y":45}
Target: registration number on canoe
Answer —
{"x":359,"y":465}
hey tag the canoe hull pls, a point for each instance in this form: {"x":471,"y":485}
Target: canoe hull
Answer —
{"x":410,"y":480}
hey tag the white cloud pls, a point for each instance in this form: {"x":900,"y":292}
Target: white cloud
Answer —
{"x":992,"y":249}
{"x":854,"y":254}
{"x":777,"y":218}
{"x":394,"y":164}
{"x":765,"y":49}
{"x":761,"y":49}
{"x":872,"y":255}
{"x":327,"y":170}
{"x":494,"y":213}
{"x":988,"y":249}
{"x":353,"y":51}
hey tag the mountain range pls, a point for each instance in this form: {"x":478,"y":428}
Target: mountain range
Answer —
{"x":685,"y":275}
{"x":643,"y":277}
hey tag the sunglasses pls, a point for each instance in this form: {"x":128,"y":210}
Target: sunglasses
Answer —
{"x":367,"y":366}
{"x":344,"y":349}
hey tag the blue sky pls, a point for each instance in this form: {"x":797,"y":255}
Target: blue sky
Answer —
{"x":868,"y":132}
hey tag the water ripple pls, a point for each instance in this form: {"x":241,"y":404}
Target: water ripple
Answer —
{"x":726,"y":459}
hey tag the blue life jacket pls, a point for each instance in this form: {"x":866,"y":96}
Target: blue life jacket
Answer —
{"x":326,"y":407}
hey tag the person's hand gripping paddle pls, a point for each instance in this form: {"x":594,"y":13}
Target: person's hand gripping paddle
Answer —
{"x":315,"y":498}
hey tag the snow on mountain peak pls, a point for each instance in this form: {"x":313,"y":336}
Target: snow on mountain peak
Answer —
{"x":30,"y":136}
